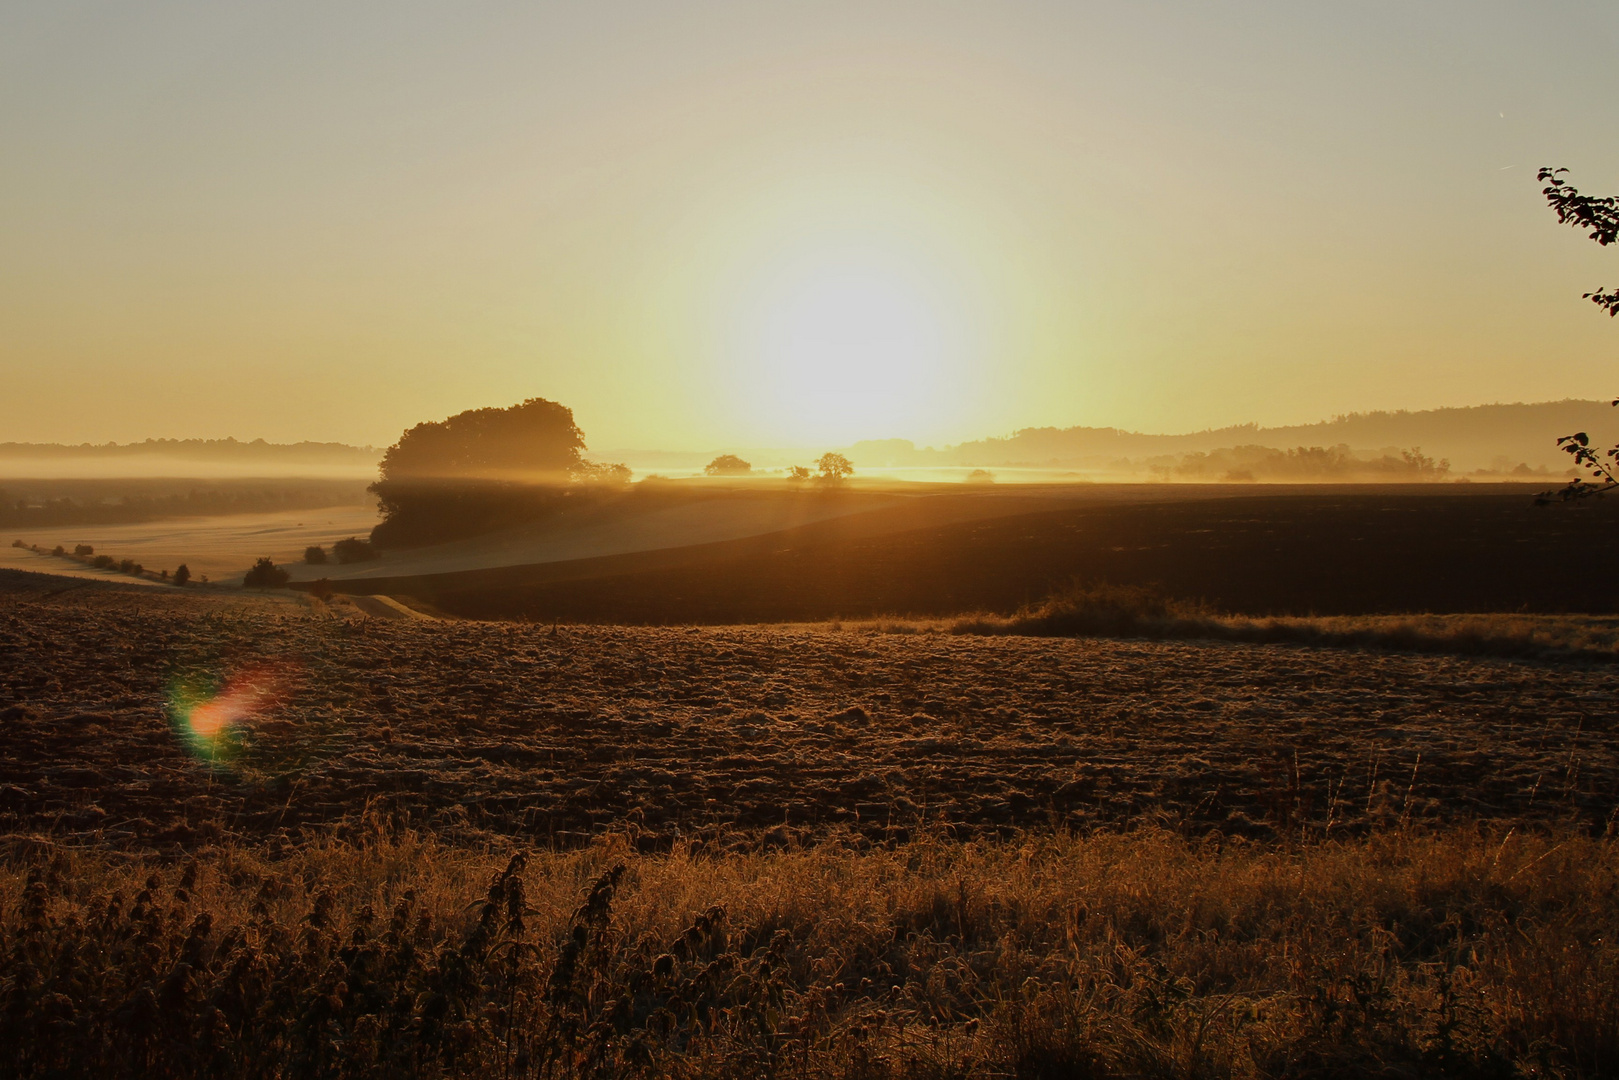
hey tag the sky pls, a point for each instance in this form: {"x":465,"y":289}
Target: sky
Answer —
{"x":715,"y":224}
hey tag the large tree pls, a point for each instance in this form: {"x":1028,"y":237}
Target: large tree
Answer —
{"x":1599,"y":215}
{"x":482,"y":470}
{"x":536,"y":440}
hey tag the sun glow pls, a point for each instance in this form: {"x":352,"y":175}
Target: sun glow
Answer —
{"x":852,"y":343}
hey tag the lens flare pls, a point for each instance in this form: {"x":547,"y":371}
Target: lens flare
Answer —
{"x":213,"y":716}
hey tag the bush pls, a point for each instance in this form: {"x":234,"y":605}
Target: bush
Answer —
{"x":103,"y":562}
{"x":84,"y":549}
{"x":980,"y":476}
{"x":610,"y":473}
{"x":797,"y":474}
{"x":182,"y":574}
{"x":58,"y":550}
{"x":266,"y":575}
{"x":315,"y":555}
{"x":321,"y":589}
{"x":354,"y":550}
{"x":18,"y":543}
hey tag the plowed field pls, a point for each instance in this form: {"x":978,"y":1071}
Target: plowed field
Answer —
{"x":757,"y":733}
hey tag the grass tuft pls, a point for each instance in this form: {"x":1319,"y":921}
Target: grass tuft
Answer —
{"x":1102,"y":610}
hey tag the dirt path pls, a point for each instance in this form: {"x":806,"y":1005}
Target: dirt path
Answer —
{"x":386,"y":607}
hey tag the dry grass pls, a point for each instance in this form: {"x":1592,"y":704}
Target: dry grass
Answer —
{"x":1459,"y":953}
{"x":1128,"y":611}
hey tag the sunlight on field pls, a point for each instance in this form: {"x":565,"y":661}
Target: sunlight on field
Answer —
{"x":222,"y":547}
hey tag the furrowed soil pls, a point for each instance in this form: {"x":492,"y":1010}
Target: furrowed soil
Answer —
{"x":746,"y":735}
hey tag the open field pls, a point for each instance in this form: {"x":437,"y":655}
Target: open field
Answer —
{"x":644,"y":518}
{"x":501,"y":730}
{"x":255,"y":834}
{"x":705,"y":552}
{"x":222,"y":547}
{"x":1324,"y":551}
{"x":784,"y":850}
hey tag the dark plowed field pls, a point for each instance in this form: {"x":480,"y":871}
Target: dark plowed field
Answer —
{"x":1320,"y":551}
{"x":504,"y":728}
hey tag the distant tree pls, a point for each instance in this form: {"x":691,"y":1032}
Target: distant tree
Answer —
{"x":103,"y":562}
{"x":83,"y":549}
{"x":266,"y":575}
{"x":980,"y":476}
{"x":354,"y":550}
{"x":58,"y":550}
{"x":727,"y":465}
{"x":833,"y":468}
{"x":797,"y":474}
{"x":315,"y":555}
{"x":182,"y":574}
{"x":1600,"y":215}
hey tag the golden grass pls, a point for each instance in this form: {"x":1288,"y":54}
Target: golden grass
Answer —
{"x":1148,"y":954}
{"x":1126,"y":611}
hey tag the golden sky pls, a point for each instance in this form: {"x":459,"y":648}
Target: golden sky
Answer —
{"x":709,"y":225}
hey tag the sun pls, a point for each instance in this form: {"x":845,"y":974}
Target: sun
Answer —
{"x":851,"y":343}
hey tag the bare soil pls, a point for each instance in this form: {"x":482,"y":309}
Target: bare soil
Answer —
{"x":756,"y":733}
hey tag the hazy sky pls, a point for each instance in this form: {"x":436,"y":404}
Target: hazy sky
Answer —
{"x":768,"y":223}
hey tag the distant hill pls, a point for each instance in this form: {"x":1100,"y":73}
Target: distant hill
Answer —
{"x":1494,"y":438}
{"x":187,"y":457}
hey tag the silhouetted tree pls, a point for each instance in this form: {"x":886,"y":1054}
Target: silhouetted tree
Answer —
{"x":265,"y":575}
{"x":481,"y":470}
{"x":83,"y":549}
{"x":1601,"y":216}
{"x":833,"y":468}
{"x":182,"y":574}
{"x":727,"y":465}
{"x":797,"y":474}
{"x":535,"y":440}
{"x":315,"y":555}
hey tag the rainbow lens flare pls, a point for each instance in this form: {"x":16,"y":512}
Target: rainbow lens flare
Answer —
{"x":213,"y":717}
